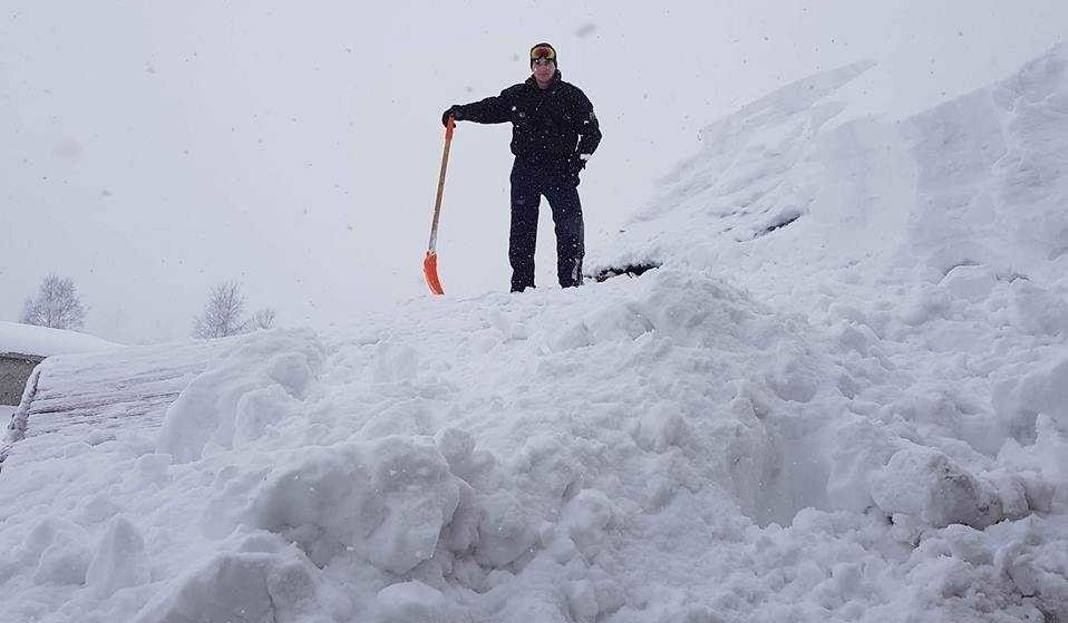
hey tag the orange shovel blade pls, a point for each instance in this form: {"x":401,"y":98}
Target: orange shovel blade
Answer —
{"x":430,"y":271}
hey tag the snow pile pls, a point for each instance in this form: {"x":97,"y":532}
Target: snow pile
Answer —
{"x":841,"y":397}
{"x":232,"y":404}
{"x":27,"y":339}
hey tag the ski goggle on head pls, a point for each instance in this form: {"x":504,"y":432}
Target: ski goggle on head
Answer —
{"x":542,"y":55}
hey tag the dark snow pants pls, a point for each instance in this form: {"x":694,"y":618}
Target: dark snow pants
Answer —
{"x":529,"y":182}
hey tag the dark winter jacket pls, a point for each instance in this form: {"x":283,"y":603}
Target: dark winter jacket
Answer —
{"x":551,"y":125}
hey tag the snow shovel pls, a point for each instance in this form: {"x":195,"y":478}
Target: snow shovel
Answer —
{"x":430,"y":262}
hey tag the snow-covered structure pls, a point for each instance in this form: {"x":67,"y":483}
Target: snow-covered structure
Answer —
{"x":843,"y":396}
{"x":15,"y":369}
{"x":24,"y":346}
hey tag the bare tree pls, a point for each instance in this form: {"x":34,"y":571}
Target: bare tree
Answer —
{"x":262,"y":319}
{"x":222,"y":313}
{"x":56,"y":305}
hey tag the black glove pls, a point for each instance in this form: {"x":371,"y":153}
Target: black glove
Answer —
{"x":574,"y":165}
{"x":452,"y":111}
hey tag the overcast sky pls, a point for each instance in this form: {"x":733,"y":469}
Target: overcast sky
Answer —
{"x":152,"y":149}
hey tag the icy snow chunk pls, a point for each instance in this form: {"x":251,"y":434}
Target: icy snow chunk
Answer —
{"x":968,"y":544}
{"x":925,"y":483}
{"x":120,"y":559}
{"x":242,"y":588}
{"x":462,"y":531}
{"x":624,"y":321}
{"x":65,"y":561}
{"x":98,"y":508}
{"x":585,"y":518}
{"x":412,"y":601}
{"x":291,"y":371}
{"x":1025,"y":406}
{"x":660,"y":427}
{"x":506,"y":532}
{"x":42,"y":535}
{"x":1036,"y":562}
{"x":236,"y":395}
{"x":387,"y":500}
{"x":54,"y":552}
{"x":860,"y":449}
{"x":582,"y":601}
{"x":792,"y":376}
{"x":458,"y":448}
{"x":259,"y":410}
{"x":153,"y":468}
{"x":1037,"y":311}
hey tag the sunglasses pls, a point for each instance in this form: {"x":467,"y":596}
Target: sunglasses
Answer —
{"x":543,"y":62}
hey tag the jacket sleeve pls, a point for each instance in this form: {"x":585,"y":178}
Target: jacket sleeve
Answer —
{"x":495,"y":109}
{"x":588,"y":128}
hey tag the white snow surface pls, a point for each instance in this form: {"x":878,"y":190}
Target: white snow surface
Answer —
{"x":842,"y":397}
{"x":27,"y":339}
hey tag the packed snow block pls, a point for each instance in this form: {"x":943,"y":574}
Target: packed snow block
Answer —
{"x":1020,"y":402}
{"x":1038,"y":311}
{"x":744,"y":456}
{"x":1040,"y":467}
{"x":860,"y":448}
{"x":660,"y":428}
{"x":259,"y":410}
{"x":624,"y":322}
{"x":241,"y":587}
{"x":65,"y":561}
{"x":1038,"y":570}
{"x":120,"y":560}
{"x":924,"y":483}
{"x":53,"y":552}
{"x":507,"y":530}
{"x":585,"y":518}
{"x":387,"y":500}
{"x":254,"y":388}
{"x":405,"y":602}
{"x":793,"y":376}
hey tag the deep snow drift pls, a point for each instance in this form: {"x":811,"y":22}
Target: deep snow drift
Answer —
{"x":843,"y":396}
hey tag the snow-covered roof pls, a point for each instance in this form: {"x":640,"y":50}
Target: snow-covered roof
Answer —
{"x":842,"y":396}
{"x":24,"y":339}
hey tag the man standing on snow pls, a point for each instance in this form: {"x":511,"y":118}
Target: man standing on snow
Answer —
{"x":554,"y":133}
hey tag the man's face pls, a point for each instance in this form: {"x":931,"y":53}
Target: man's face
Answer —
{"x":544,"y":69}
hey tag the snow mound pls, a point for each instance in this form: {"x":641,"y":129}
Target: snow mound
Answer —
{"x":387,"y":501}
{"x":27,"y":339}
{"x":236,"y":402}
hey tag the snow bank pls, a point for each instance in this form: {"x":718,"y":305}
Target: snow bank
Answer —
{"x":841,"y":397}
{"x":44,"y":342}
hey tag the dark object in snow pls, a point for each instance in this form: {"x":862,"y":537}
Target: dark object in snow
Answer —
{"x":782,"y":221}
{"x":15,"y":369}
{"x":631,"y":270}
